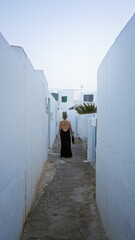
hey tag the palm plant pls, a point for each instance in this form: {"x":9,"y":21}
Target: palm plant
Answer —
{"x":86,"y":108}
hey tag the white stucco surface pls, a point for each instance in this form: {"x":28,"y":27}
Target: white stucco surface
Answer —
{"x":23,"y":136}
{"x":91,"y":145}
{"x":82,"y":126}
{"x":54,"y":121}
{"x":115,"y":163}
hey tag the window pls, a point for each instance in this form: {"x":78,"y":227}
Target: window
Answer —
{"x":88,"y":98}
{"x":55,"y":95}
{"x":64,"y":98}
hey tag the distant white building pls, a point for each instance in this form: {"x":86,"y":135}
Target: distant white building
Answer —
{"x":89,"y":97}
{"x":69,"y":98}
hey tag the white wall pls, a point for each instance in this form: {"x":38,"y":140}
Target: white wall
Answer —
{"x":82,"y":126}
{"x":54,"y":121}
{"x":23,"y":136}
{"x":115,"y":178}
{"x":91,"y":144}
{"x":86,"y":124}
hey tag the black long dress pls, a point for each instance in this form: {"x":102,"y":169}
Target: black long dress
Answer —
{"x":65,"y":144}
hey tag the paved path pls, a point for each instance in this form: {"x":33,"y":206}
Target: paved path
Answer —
{"x":65,"y":207}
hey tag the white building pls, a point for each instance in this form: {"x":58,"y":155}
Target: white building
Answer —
{"x":69,"y":98}
{"x":89,"y":97}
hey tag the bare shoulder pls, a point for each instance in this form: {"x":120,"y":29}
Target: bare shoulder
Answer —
{"x":68,"y":122}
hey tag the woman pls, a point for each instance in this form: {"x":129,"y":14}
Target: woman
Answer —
{"x":65,"y":129}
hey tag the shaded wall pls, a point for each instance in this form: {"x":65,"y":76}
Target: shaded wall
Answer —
{"x":23,"y":136}
{"x":115,"y":176}
{"x":54,"y":119}
{"x":91,"y":145}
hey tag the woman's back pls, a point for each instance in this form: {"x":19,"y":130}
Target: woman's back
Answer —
{"x":65,"y":139}
{"x":65,"y":129}
{"x":65,"y":125}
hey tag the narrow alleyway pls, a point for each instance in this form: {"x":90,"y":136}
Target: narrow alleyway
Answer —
{"x":65,"y":207}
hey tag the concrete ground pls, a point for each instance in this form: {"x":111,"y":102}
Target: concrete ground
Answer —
{"x":64,"y":207}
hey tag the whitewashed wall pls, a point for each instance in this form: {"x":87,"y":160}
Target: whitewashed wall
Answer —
{"x":54,"y":121}
{"x":23,"y":136}
{"x":82,"y":126}
{"x":115,"y":178}
{"x":91,"y":144}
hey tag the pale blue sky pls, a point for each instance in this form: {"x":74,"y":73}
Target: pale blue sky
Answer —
{"x":66,"y":38}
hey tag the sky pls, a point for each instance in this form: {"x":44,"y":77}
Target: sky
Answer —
{"x":67,"y":39}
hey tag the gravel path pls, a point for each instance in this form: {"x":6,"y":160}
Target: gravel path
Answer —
{"x":64,"y":207}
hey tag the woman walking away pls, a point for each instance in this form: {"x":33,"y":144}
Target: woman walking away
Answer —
{"x":65,"y":129}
